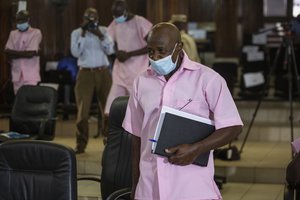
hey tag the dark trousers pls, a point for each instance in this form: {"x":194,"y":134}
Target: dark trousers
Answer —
{"x":88,"y":82}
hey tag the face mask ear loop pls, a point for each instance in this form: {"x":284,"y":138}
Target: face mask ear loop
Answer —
{"x":173,"y":52}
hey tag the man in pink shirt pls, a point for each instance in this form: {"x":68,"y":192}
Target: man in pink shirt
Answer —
{"x":129,"y":32}
{"x":22,"y":48}
{"x":174,"y":80}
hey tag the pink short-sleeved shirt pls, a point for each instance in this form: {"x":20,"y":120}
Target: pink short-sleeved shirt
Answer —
{"x":28,"y":68}
{"x":129,"y":36}
{"x":210,"y":99}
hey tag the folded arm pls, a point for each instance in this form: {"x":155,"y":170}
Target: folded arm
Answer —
{"x":15,"y":54}
{"x":186,"y":154}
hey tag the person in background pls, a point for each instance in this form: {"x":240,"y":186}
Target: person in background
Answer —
{"x":22,"y":48}
{"x":90,"y":44}
{"x":189,"y":44}
{"x":174,"y":80}
{"x":129,"y":32}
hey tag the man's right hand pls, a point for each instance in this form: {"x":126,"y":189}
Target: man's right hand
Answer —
{"x":84,"y":26}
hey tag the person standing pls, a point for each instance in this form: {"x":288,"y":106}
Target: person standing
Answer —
{"x":129,"y":32}
{"x":176,"y":81}
{"x":90,"y":44}
{"x":189,"y":44}
{"x":22,"y":48}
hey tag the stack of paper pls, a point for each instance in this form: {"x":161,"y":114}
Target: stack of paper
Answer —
{"x":177,"y":127}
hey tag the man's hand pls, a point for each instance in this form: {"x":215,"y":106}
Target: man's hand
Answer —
{"x":96,"y":32}
{"x":183,"y":154}
{"x":122,"y":56}
{"x":84,"y":27}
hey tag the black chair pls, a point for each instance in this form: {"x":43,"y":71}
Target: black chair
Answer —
{"x":37,"y":170}
{"x":116,"y":159}
{"x":34,"y":112}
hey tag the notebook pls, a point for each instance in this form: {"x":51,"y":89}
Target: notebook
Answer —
{"x":177,"y":127}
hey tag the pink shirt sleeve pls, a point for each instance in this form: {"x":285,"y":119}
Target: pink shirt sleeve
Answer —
{"x":145,"y":26}
{"x":9,"y":43}
{"x":222,"y":104}
{"x":134,"y":116}
{"x":110,"y":30}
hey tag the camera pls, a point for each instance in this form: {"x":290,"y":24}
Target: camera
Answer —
{"x":90,"y":25}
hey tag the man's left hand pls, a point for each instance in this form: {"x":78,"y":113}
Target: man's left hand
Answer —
{"x":96,"y":32}
{"x":122,"y":56}
{"x":183,"y":154}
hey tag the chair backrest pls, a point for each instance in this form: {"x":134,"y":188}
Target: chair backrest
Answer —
{"x":35,"y":170}
{"x":116,"y":160}
{"x":34,"y":111}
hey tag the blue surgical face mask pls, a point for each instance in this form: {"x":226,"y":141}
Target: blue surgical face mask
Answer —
{"x":121,"y":19}
{"x":165,"y":65}
{"x":23,"y":27}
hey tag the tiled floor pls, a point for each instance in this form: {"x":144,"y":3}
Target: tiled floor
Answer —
{"x":259,"y":175}
{"x":257,"y":159}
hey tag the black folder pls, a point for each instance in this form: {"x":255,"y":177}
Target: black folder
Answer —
{"x":177,"y":130}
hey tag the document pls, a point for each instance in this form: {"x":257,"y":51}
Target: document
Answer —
{"x":177,"y":127}
{"x":252,"y":79}
{"x":12,"y":135}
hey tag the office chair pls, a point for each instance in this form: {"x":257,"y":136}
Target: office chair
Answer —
{"x":34,"y":112}
{"x":37,"y":170}
{"x":116,"y":159}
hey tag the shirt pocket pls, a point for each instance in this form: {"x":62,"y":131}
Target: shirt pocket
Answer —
{"x":196,"y":107}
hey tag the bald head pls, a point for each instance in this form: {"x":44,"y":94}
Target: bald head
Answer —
{"x":165,"y":31}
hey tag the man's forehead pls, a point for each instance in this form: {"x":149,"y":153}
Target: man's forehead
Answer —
{"x":90,"y":12}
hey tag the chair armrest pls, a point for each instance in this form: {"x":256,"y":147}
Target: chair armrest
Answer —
{"x":41,"y":133}
{"x":89,"y":178}
{"x":119,"y":193}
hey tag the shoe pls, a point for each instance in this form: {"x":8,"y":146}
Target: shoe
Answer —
{"x":79,"y":151}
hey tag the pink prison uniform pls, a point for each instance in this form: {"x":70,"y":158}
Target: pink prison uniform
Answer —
{"x":210,"y":99}
{"x":25,"y":70}
{"x":129,"y":36}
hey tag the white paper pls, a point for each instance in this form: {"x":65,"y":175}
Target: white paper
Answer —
{"x":255,"y":56}
{"x":22,"y":5}
{"x":166,"y":109}
{"x":249,"y":48}
{"x":259,"y":39}
{"x":253,"y":79}
{"x":51,"y":65}
{"x":198,"y":33}
{"x":53,"y":85}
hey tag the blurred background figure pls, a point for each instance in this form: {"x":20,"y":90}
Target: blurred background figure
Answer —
{"x":90,"y":44}
{"x":129,"y":31}
{"x":189,"y":44}
{"x":22,"y":48}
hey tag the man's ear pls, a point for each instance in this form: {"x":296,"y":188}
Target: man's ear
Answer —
{"x":180,"y":45}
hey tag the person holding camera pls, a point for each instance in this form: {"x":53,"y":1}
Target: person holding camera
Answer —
{"x":90,"y":44}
